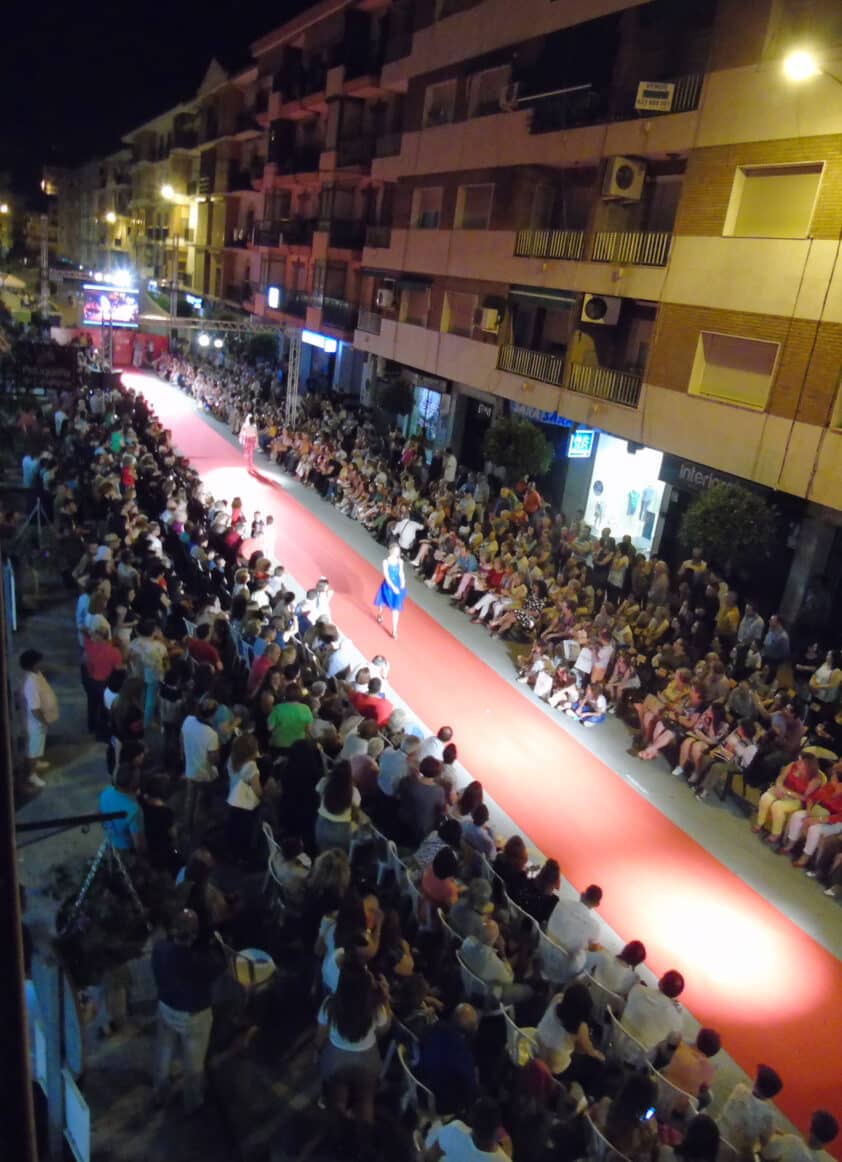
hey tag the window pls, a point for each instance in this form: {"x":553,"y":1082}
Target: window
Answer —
{"x":734,"y":369}
{"x":439,"y":103}
{"x":773,"y":201}
{"x":473,"y":207}
{"x":458,"y":315}
{"x":415,"y":305}
{"x":485,"y":89}
{"x":426,"y":208}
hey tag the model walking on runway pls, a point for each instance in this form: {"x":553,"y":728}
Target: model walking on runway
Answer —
{"x":392,"y":591}
{"x":248,"y":439}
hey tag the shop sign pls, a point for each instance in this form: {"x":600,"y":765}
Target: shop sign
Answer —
{"x":580,"y":445}
{"x":528,"y":413}
{"x":323,"y":342}
{"x":693,"y":477}
{"x":654,"y":96}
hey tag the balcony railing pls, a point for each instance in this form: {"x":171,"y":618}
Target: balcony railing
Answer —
{"x":549,"y":244}
{"x":606,"y":383}
{"x":358,"y":151}
{"x":369,"y":321}
{"x":338,"y":313}
{"x":378,"y":236}
{"x":588,"y":106}
{"x":388,"y":144}
{"x":296,"y":304}
{"x":237,"y":238}
{"x":286,"y":232}
{"x":345,"y":235}
{"x":542,"y":365}
{"x":632,"y":247}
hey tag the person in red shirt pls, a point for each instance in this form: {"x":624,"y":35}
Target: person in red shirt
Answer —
{"x":821,"y":816}
{"x":261,"y":666}
{"x":372,"y":704}
{"x":101,"y":659}
{"x":200,"y":649}
{"x":789,"y":792}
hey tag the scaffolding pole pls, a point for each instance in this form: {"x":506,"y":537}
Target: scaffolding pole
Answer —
{"x":45,"y":266}
{"x":293,"y":366}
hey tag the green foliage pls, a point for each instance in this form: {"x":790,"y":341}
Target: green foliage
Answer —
{"x":518,"y":445}
{"x":262,"y":347}
{"x":735,"y":528}
{"x":395,"y":396}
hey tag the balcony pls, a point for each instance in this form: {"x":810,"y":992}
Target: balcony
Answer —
{"x":239,"y":292}
{"x":286,"y":232}
{"x":632,"y":247}
{"x":302,"y":160}
{"x":369,"y":321}
{"x":567,"y":244}
{"x":185,"y":139}
{"x":296,"y":304}
{"x":588,"y":106}
{"x":237,"y":239}
{"x":605,"y":383}
{"x":358,"y":151}
{"x":379,"y":237}
{"x":344,"y":235}
{"x":542,"y":365}
{"x":245,"y":123}
{"x":336,"y":313}
{"x":388,"y":144}
{"x":238,"y":179}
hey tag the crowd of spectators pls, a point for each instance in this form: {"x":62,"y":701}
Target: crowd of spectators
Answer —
{"x":225,"y":703}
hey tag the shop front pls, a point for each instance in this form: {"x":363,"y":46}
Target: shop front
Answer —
{"x":615,"y":483}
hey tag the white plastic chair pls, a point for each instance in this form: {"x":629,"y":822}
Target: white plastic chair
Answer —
{"x":524,"y":922}
{"x":603,"y":998}
{"x":672,"y":1101}
{"x":416,"y":1093}
{"x":252,"y":968}
{"x":451,"y":937}
{"x":473,"y":986}
{"x":624,"y":1046}
{"x":520,"y":1043}
{"x":728,"y":1152}
{"x":554,"y":960}
{"x":274,"y":851}
{"x":599,"y":1148}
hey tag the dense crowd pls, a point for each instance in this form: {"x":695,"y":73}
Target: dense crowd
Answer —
{"x":225,"y":703}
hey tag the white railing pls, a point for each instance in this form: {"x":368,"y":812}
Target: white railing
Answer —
{"x":540,"y":365}
{"x":549,"y":244}
{"x":622,"y":387}
{"x":632,"y":247}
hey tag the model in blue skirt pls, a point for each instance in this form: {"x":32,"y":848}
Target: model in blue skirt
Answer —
{"x":392,"y":591}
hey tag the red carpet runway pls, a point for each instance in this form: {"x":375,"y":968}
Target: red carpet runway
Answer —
{"x":772,"y":991}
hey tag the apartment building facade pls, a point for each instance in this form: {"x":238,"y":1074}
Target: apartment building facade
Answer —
{"x":614,"y":216}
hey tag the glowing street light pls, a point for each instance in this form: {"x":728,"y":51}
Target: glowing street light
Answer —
{"x":218,"y":344}
{"x":800,"y":65}
{"x":111,"y":217}
{"x":204,"y":340}
{"x":121,"y":278}
{"x":4,"y":207}
{"x":167,"y":192}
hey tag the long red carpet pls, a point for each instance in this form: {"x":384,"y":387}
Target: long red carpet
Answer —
{"x":771,"y":990}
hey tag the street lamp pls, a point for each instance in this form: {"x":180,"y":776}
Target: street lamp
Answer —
{"x":4,"y":207}
{"x":167,"y":192}
{"x":111,"y":217}
{"x":802,"y":65}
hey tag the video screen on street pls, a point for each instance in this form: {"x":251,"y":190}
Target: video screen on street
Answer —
{"x":104,"y":304}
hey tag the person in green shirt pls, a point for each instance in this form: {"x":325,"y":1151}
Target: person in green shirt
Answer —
{"x":289,"y":720}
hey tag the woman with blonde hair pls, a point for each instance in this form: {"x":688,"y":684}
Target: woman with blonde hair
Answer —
{"x":244,"y":794}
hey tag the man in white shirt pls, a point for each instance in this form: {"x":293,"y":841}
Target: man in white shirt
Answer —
{"x":574,"y":926}
{"x":200,"y":744}
{"x":475,"y":1142}
{"x":433,"y":746}
{"x":747,"y":1119}
{"x":405,"y":532}
{"x":41,"y":709}
{"x":793,"y":1148}
{"x":450,"y":466}
{"x":654,"y":1016}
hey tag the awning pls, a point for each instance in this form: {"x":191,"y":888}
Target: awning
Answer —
{"x":543,"y":297}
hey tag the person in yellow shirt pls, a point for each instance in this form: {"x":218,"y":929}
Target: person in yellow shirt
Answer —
{"x":728,"y":620}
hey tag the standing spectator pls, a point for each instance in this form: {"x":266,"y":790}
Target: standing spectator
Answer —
{"x":100,"y":660}
{"x":148,"y":659}
{"x":747,"y":1119}
{"x":184,"y":972}
{"x":478,"y":1141}
{"x":200,"y":744}
{"x":824,"y":1129}
{"x":125,"y":834}
{"x":41,"y":707}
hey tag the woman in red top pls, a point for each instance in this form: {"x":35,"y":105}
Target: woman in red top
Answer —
{"x":789,"y":792}
{"x":822,"y":815}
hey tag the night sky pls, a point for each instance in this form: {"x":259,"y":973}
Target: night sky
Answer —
{"x":75,"y":76}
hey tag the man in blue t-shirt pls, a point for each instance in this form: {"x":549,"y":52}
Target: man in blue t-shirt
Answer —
{"x":125,"y":834}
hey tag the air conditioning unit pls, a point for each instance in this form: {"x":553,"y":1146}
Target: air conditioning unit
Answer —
{"x":509,"y":97}
{"x":601,"y":310}
{"x":385,"y":298}
{"x":624,"y":178}
{"x":487,"y":319}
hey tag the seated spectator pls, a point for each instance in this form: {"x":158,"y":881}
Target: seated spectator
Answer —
{"x":446,"y":1061}
{"x":438,"y":882}
{"x":654,"y":1016}
{"x":422,"y":798}
{"x":478,"y":1141}
{"x":447,"y":834}
{"x":338,"y":808}
{"x":628,"y":1121}
{"x":540,"y":897}
{"x":433,"y":746}
{"x":747,"y":1119}
{"x":373,"y":704}
{"x":470,"y":798}
{"x":291,"y":867}
{"x":477,"y":833}
{"x":467,"y":914}
{"x":592,"y":707}
{"x":564,"y":1040}
{"x":510,"y":865}
{"x":701,"y":1140}
{"x":481,"y":956}
{"x":793,"y":1148}
{"x":691,"y":1069}
{"x":574,"y":926}
{"x":789,"y":793}
{"x":617,"y":973}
